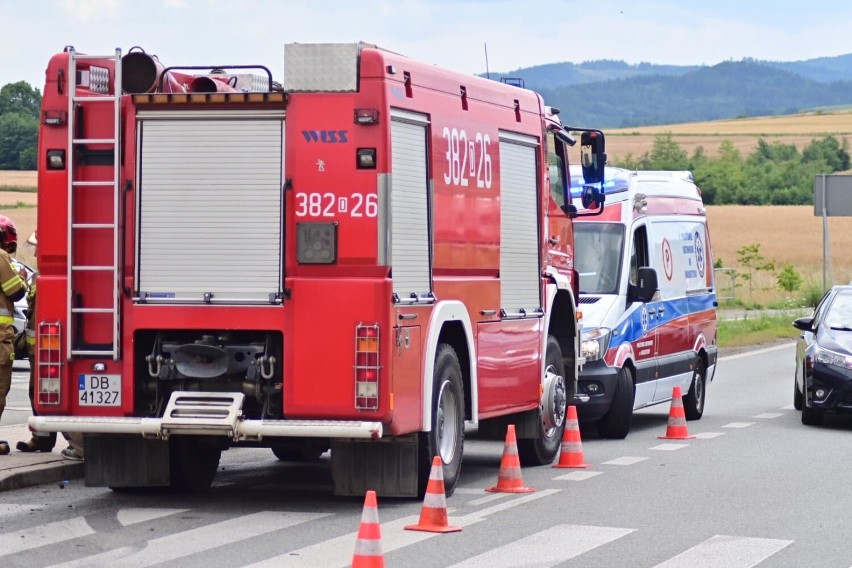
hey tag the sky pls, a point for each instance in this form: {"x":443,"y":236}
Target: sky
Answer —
{"x":456,"y":34}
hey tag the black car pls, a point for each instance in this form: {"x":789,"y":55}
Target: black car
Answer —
{"x":824,"y":358}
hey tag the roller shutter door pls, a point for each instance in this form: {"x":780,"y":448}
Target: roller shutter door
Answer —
{"x":410,"y":238}
{"x":520,"y":272}
{"x":210,"y":209}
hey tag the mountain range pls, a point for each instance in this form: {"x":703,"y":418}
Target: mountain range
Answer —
{"x":615,"y":94}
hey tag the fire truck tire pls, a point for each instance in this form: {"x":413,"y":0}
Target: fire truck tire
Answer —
{"x":693,"y":402}
{"x":304,"y":453}
{"x":447,"y":436}
{"x":542,"y":449}
{"x":192,"y":464}
{"x":616,"y":423}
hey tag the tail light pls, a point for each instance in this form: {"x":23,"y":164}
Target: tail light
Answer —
{"x":367,"y":367}
{"x":49,"y":344}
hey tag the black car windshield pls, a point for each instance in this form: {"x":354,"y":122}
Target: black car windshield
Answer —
{"x":598,"y":248}
{"x":839,"y":314}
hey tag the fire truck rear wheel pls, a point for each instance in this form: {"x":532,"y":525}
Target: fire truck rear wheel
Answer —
{"x":192,"y":464}
{"x":616,"y":422}
{"x":447,"y":436}
{"x":543,"y":448}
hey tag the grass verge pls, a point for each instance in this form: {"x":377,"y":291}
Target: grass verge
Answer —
{"x":752,"y":331}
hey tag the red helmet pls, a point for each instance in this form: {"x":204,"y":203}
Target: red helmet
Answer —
{"x":8,"y":235}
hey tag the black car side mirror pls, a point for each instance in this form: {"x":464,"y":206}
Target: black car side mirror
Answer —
{"x":805,"y":324}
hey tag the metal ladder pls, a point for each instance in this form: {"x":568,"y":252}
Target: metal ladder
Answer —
{"x":74,"y":185}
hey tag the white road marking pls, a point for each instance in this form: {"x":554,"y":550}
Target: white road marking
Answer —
{"x":708,"y":435}
{"x":487,"y":499}
{"x":580,"y":475}
{"x":61,"y":531}
{"x":669,"y":447}
{"x":727,"y":552}
{"x":186,"y":543}
{"x":7,"y":509}
{"x":469,"y":491}
{"x":788,"y":407}
{"x":769,"y":415}
{"x":626,"y":460}
{"x":337,"y":552}
{"x":539,"y":550}
{"x":738,"y":424}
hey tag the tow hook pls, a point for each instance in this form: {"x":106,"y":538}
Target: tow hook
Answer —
{"x":264,"y":361}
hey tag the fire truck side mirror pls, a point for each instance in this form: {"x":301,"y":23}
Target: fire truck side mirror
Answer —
{"x":593,"y":156}
{"x":592,"y":198}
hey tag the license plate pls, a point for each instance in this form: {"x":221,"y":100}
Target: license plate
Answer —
{"x":99,"y":390}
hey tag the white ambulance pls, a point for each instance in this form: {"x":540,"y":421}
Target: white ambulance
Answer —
{"x":647,"y":296}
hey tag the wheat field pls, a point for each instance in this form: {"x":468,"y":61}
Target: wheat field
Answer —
{"x":743,"y":133}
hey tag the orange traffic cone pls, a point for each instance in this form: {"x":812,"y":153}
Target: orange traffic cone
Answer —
{"x":571,"y":454}
{"x":368,"y":547}
{"x":433,"y":515}
{"x":677,"y":429}
{"x":509,"y":478}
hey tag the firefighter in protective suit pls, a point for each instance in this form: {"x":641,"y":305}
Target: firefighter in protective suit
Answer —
{"x":12,"y":289}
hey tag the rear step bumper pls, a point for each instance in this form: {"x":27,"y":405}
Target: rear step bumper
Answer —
{"x":207,"y":414}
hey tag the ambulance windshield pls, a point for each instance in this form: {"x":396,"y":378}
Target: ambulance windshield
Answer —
{"x":598,"y":247}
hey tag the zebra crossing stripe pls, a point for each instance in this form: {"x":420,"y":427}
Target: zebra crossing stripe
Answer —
{"x":61,"y":531}
{"x":723,"y":551}
{"x":186,"y":543}
{"x":337,"y":552}
{"x":573,"y":540}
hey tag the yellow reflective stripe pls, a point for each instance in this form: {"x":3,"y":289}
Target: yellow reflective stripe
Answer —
{"x":7,"y":319}
{"x":30,"y":340}
{"x":11,"y":283}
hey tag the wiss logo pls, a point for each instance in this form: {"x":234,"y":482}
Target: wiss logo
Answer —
{"x":326,"y":136}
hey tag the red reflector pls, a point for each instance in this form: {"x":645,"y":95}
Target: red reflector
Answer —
{"x":50,"y":371}
{"x":367,"y":375}
{"x":50,"y":329}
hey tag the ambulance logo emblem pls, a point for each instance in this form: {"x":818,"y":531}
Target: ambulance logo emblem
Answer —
{"x":699,"y":253}
{"x":668,"y":260}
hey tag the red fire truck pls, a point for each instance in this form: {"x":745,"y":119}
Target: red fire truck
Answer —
{"x":369,"y":257}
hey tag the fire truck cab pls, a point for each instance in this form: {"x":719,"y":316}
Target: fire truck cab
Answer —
{"x":367,"y":257}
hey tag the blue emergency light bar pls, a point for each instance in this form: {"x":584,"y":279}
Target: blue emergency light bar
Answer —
{"x":616,"y":180}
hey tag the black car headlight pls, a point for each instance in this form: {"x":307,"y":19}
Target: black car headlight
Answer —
{"x":826,"y":357}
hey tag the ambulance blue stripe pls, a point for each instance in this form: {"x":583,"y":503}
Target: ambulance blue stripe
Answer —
{"x":630,"y":329}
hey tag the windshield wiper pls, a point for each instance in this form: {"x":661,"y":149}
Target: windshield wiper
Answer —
{"x":841,"y":328}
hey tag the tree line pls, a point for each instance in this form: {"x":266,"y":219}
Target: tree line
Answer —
{"x":773,"y":174}
{"x":19,"y":111}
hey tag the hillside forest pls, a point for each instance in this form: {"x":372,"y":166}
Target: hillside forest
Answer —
{"x":774,"y":173}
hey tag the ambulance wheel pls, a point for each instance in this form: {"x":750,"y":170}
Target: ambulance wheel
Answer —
{"x":192,"y":464}
{"x":543,"y":448}
{"x":616,"y":422}
{"x":447,"y":436}
{"x":693,"y":402}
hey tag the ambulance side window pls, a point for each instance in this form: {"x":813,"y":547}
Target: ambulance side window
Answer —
{"x":638,"y":254}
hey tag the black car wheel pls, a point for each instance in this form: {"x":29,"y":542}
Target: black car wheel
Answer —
{"x":797,"y":395}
